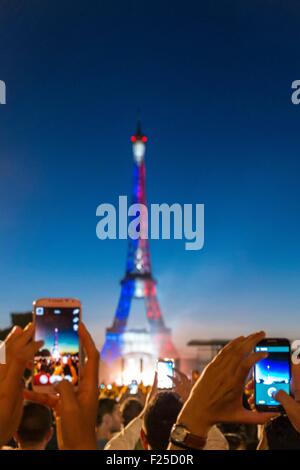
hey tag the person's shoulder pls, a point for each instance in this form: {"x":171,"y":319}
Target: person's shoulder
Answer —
{"x":216,"y":440}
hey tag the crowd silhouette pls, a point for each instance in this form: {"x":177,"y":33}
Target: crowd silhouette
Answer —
{"x":216,"y":410}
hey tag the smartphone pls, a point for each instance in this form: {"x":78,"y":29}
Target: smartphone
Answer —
{"x":133,"y":388}
{"x":272,"y":373}
{"x":165,"y":370}
{"x":56,"y":323}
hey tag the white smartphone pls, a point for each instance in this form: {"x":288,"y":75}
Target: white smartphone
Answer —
{"x":165,"y":370}
{"x":56,"y":323}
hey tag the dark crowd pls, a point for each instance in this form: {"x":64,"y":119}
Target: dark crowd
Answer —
{"x":217,"y":407}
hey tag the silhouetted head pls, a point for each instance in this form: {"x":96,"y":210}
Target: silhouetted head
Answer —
{"x":35,"y":428}
{"x":130,"y":409}
{"x":159,"y":418}
{"x":109,"y":414}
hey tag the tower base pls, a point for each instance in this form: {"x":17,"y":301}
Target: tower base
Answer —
{"x":132,"y":355}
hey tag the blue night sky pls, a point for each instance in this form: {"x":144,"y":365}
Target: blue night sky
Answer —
{"x":213,"y":81}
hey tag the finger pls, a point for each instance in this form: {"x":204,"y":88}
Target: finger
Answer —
{"x":31,"y":349}
{"x":229,"y":356}
{"x":248,"y":344}
{"x":289,"y":404}
{"x":252,"y":340}
{"x":182,"y":376}
{"x":17,"y":365}
{"x":291,"y":407}
{"x":91,"y":369}
{"x":11,"y":338}
{"x":246,"y":365}
{"x":251,"y":401}
{"x":67,"y":396}
{"x":256,"y":417}
{"x":27,"y":334}
{"x":153,"y":389}
{"x":41,"y":398}
{"x":249,"y":386}
{"x":226,"y":350}
{"x":14,"y":333}
{"x":86,"y":340}
{"x":155,"y":383}
{"x":295,"y":383}
{"x":174,"y":379}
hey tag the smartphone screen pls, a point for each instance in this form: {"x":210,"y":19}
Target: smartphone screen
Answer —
{"x":59,"y":357}
{"x":133,"y":387}
{"x":165,"y":369}
{"x":272,"y":374}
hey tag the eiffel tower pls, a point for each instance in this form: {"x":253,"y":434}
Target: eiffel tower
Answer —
{"x":138,"y":283}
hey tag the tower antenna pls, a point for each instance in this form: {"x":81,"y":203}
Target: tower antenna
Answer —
{"x":139,"y":123}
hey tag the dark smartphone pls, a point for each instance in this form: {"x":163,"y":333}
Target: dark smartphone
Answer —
{"x":272,"y":373}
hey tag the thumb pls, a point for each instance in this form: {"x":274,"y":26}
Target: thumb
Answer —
{"x":67,"y":395}
{"x":175,"y":381}
{"x":291,"y":407}
{"x":286,"y":400}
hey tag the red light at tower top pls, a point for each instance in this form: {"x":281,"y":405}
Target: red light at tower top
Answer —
{"x":135,"y":138}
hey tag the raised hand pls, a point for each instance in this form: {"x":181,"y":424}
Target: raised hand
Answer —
{"x":182,"y":384}
{"x":217,"y":394}
{"x":151,"y":394}
{"x":292,"y":405}
{"x":20,"y":349}
{"x":76,"y":412}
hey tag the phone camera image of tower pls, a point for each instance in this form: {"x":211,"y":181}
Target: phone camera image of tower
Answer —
{"x":131,"y":354}
{"x":55,"y":349}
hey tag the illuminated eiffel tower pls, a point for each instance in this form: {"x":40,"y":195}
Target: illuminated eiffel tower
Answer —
{"x":138,"y":283}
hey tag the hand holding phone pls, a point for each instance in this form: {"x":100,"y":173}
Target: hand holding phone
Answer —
{"x":272,"y":373}
{"x":165,"y":372}
{"x":57,"y":322}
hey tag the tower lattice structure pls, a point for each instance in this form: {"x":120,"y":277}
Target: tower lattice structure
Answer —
{"x":138,"y":281}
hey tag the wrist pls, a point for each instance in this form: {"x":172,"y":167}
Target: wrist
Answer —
{"x":181,"y":437}
{"x":196,"y":423}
